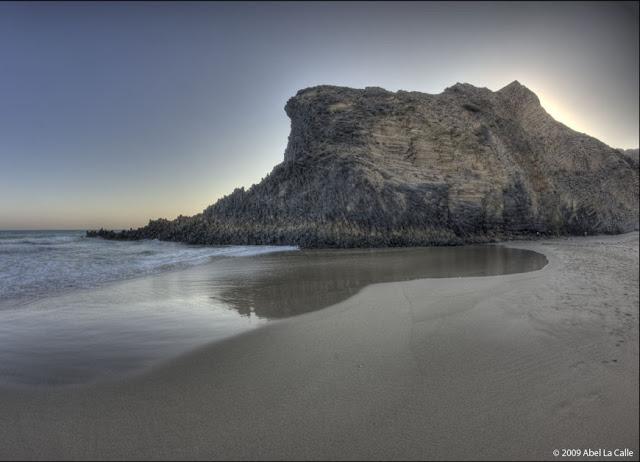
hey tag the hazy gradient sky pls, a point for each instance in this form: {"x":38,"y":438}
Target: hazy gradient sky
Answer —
{"x":111,"y":114}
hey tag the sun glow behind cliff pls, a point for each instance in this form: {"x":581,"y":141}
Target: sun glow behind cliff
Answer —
{"x":115,"y":113}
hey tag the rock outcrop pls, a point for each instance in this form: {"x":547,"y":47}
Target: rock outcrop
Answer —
{"x":377,"y":168}
{"x":631,"y":153}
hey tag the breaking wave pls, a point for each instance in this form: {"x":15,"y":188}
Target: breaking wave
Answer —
{"x":35,"y":264}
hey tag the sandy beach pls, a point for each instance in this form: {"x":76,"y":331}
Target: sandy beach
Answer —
{"x":497,"y":367}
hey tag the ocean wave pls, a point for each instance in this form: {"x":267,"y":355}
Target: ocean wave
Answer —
{"x":36,"y":266}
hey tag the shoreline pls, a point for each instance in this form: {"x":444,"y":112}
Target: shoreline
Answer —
{"x":509,"y":366}
{"x":171,"y":267}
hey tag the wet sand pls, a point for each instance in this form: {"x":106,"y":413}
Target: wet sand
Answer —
{"x":122,"y":328}
{"x":506,"y":367}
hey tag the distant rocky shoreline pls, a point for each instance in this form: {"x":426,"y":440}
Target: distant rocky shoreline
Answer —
{"x":373,"y":168}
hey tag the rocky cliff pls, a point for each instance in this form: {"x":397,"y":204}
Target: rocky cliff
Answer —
{"x":632,"y":153}
{"x":377,"y":168}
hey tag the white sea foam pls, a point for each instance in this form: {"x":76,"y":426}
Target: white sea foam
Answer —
{"x":36,"y":264}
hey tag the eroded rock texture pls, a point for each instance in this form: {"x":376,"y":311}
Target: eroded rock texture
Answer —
{"x":632,"y":153}
{"x":376,"y":168}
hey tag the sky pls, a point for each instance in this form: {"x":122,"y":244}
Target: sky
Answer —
{"x":115,"y":113}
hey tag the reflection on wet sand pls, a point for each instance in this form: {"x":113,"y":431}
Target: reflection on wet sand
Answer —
{"x":120,"y":328}
{"x":278,"y":286}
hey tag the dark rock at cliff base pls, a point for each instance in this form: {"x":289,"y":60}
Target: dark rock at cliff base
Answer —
{"x":376,"y":168}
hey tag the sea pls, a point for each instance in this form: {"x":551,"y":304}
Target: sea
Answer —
{"x":37,"y":264}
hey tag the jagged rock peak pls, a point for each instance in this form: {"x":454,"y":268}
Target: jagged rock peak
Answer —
{"x":515,"y":90}
{"x":460,"y":87}
{"x":336,"y":98}
{"x":466,"y":88}
{"x":514,"y":84}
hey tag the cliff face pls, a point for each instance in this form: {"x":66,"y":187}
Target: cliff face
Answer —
{"x":631,"y":153}
{"x":376,"y":168}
